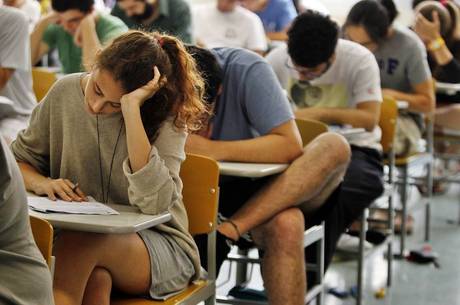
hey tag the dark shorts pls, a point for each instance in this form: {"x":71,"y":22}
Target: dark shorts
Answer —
{"x":361,"y":186}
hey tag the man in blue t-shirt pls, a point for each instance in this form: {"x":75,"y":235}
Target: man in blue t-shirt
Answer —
{"x":276,"y":15}
{"x":253,"y":123}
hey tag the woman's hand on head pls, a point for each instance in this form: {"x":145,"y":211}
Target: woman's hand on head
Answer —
{"x":428,"y":30}
{"x":60,"y":189}
{"x":137,"y":97}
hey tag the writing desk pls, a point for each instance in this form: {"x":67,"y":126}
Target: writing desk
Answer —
{"x":130,"y":220}
{"x":251,"y":170}
{"x":447,"y":88}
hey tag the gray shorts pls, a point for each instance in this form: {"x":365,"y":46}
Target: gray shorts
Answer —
{"x":170,"y":268}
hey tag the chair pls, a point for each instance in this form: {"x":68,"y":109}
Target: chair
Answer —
{"x":43,"y":79}
{"x":387,"y":123}
{"x":43,"y":236}
{"x":309,"y":129}
{"x":200,"y":176}
{"x":403,"y":164}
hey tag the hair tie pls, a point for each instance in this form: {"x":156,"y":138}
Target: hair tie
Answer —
{"x":443,"y":2}
{"x":160,"y":41}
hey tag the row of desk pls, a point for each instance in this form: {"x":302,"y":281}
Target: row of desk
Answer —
{"x":131,"y":220}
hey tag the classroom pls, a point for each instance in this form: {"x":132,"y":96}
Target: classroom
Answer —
{"x":248,"y":152}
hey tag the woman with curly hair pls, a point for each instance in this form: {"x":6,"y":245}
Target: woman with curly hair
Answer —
{"x":119,"y":131}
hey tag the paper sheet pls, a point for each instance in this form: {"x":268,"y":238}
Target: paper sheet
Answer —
{"x":45,"y":205}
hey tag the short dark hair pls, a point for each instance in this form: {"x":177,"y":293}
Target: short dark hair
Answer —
{"x":61,"y":6}
{"x":210,"y":71}
{"x":375,"y":16}
{"x":312,"y":39}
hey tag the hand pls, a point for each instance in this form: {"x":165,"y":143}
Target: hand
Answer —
{"x":310,"y":113}
{"x":51,"y":18}
{"x":86,"y":24}
{"x":197,"y":144}
{"x":428,"y":30}
{"x":63,"y":188}
{"x":137,"y":97}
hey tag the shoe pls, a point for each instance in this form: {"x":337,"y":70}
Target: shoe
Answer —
{"x":383,"y":215}
{"x":375,"y":237}
{"x":244,"y":242}
{"x":348,"y":243}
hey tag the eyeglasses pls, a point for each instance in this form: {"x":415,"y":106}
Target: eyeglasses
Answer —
{"x":309,"y":72}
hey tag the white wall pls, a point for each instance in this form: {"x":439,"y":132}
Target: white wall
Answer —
{"x":339,"y":9}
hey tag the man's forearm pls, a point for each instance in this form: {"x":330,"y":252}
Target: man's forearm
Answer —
{"x":36,"y":39}
{"x":266,"y":149}
{"x":417,"y":102}
{"x":90,"y":46}
{"x":355,"y":117}
{"x":271,"y":148}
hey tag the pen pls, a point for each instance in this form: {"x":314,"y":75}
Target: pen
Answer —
{"x":75,"y":187}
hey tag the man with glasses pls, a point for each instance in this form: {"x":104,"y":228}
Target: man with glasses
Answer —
{"x":76,"y":30}
{"x":336,"y":82}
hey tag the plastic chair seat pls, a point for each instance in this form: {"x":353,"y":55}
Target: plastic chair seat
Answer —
{"x":193,"y":291}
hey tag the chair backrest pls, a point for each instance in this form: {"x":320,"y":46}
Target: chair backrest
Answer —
{"x":200,"y":176}
{"x":43,"y":235}
{"x":43,"y":80}
{"x":387,"y":123}
{"x":310,"y":129}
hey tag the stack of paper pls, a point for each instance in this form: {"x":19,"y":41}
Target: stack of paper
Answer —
{"x":42,"y":204}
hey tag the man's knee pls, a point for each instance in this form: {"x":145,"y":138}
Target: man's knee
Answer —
{"x":284,"y":229}
{"x":336,"y":148}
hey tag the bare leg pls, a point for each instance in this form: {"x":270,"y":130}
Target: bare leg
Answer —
{"x":98,"y":288}
{"x":78,"y":254}
{"x":312,"y":176}
{"x":283,"y":264}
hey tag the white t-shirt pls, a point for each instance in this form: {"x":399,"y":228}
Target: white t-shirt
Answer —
{"x":15,"y":54}
{"x":240,"y":28}
{"x":353,"y":78}
{"x":32,"y":10}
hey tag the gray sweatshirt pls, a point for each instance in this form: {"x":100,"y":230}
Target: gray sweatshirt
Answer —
{"x":61,"y":142}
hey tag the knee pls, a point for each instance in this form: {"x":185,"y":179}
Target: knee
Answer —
{"x":286,"y":228}
{"x":74,"y":242}
{"x":335,"y":147}
{"x":100,"y":278}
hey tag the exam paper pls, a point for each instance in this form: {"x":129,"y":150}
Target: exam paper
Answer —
{"x":45,"y":205}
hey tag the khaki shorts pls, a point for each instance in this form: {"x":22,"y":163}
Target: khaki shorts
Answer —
{"x":170,"y":268}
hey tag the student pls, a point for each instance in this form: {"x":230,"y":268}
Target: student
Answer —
{"x":25,"y":278}
{"x":404,"y":71}
{"x":253,"y":123}
{"x":119,"y":132}
{"x":444,"y":63}
{"x":76,"y":30}
{"x":226,"y":24}
{"x":276,"y":15}
{"x":169,"y":16}
{"x":30,"y":7}
{"x":337,"y":82}
{"x":17,"y":98}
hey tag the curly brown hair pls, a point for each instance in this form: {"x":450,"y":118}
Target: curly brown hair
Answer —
{"x":130,"y":59}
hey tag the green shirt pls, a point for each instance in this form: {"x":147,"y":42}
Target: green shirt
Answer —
{"x":174,"y":19}
{"x":107,"y":28}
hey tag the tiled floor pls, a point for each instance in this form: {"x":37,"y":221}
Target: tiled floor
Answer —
{"x":412,"y":284}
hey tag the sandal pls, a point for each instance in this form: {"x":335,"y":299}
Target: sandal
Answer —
{"x":244,"y":241}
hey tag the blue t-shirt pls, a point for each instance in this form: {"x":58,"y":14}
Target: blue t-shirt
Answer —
{"x":277,"y":15}
{"x":252,"y":102}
